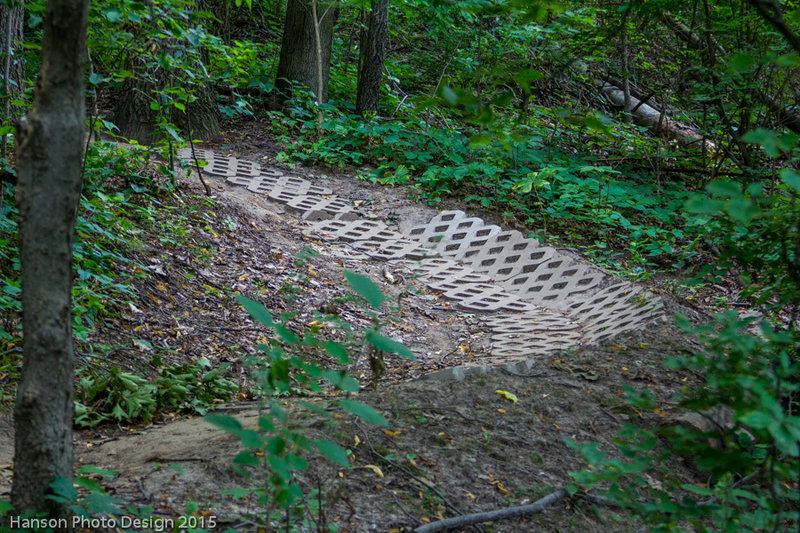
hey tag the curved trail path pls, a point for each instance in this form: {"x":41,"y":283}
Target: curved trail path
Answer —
{"x":534,"y":299}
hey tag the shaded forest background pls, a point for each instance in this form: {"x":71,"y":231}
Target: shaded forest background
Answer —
{"x":659,"y":139}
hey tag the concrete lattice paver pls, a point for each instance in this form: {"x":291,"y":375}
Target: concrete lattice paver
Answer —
{"x":533,"y":298}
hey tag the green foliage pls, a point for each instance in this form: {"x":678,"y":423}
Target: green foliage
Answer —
{"x":514,"y":169}
{"x":748,"y":448}
{"x":750,"y":458}
{"x":192,"y":388}
{"x":275,"y":448}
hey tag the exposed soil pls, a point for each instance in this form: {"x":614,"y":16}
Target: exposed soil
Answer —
{"x":454,"y":447}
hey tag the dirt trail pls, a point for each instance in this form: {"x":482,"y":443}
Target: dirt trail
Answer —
{"x":454,"y":446}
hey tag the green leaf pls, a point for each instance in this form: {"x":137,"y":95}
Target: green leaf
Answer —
{"x":63,"y":490}
{"x":256,"y":310}
{"x":173,"y":133}
{"x":225,"y":423}
{"x":449,"y":95}
{"x":236,"y":493}
{"x":757,"y":420}
{"x":699,"y":204}
{"x":388,"y":345}
{"x":88,"y":483}
{"x":728,"y":189}
{"x":265,"y":423}
{"x":365,"y":288}
{"x":788,"y":60}
{"x":480,"y":140}
{"x":791,"y":178}
{"x":97,"y":79}
{"x":91,"y":469}
{"x":363,"y":411}
{"x":113,"y":14}
{"x":246,"y":459}
{"x":740,"y":63}
{"x":251,"y":439}
{"x":333,"y":452}
{"x":284,"y":333}
{"x":525,"y":76}
{"x":772,"y":143}
{"x":336,"y":350}
{"x":349,"y":384}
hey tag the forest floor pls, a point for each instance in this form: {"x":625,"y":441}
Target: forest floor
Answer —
{"x":452,"y":447}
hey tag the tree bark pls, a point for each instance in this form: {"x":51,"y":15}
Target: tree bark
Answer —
{"x":11,"y":19}
{"x":372,"y":51}
{"x":133,"y":115}
{"x":298,"y":59}
{"x":136,"y":120}
{"x":13,"y":68}
{"x":49,"y":149}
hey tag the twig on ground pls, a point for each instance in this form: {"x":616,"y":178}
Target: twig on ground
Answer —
{"x":492,"y":516}
{"x":513,"y":512}
{"x":599,"y":500}
{"x":413,"y":518}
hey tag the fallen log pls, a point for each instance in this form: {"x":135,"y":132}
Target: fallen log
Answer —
{"x":650,"y":117}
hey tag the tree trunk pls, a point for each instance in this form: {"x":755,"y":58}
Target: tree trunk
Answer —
{"x":133,"y":115}
{"x":136,"y":120}
{"x":13,"y":68}
{"x":11,"y":19}
{"x":49,"y":149}
{"x":372,"y":52}
{"x":298,"y":60}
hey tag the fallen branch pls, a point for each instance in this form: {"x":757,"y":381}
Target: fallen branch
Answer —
{"x":492,"y":516}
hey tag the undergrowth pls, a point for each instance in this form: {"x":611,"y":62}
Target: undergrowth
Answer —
{"x":126,"y":203}
{"x":545,"y":173}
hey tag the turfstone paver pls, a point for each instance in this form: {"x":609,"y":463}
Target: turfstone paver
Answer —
{"x":546,"y":300}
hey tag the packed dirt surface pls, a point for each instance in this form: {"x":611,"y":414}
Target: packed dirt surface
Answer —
{"x":451,"y":447}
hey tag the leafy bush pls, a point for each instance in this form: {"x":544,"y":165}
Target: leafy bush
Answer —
{"x":275,"y":449}
{"x":749,"y":444}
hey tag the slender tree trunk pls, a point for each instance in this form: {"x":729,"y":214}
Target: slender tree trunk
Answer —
{"x":49,"y":148}
{"x":13,"y":73}
{"x":299,"y":54}
{"x":372,"y":52}
{"x":626,"y":77}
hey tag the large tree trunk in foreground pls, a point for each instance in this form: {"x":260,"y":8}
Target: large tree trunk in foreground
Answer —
{"x":372,"y":52}
{"x":49,"y":148}
{"x":298,"y":61}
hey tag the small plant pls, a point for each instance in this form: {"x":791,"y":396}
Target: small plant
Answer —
{"x":123,"y":396}
{"x":275,"y":448}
